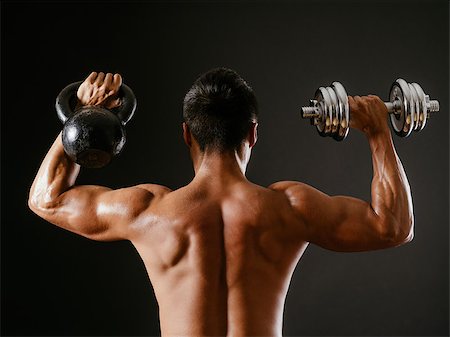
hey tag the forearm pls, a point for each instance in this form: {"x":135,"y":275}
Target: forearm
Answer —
{"x":56,"y":175}
{"x":391,"y":195}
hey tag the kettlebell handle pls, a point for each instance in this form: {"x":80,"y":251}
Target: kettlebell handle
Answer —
{"x":67,"y":97}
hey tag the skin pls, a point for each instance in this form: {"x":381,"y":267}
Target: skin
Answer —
{"x":220,"y":251}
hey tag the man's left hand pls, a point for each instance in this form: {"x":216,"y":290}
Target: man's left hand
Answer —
{"x":100,"y":89}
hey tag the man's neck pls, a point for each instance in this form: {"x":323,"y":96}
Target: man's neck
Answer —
{"x":226,"y":165}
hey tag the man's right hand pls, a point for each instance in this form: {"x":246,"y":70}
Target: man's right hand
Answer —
{"x":368,"y":114}
{"x":100,"y":89}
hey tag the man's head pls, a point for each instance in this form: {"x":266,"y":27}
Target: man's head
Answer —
{"x":220,"y":111}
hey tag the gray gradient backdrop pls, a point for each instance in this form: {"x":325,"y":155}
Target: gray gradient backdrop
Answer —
{"x":56,"y":283}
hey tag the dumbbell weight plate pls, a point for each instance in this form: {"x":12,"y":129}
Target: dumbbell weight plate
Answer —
{"x":415,"y":106}
{"x":402,"y":122}
{"x":344,"y":107}
{"x":423,"y":111}
{"x":329,"y":111}
{"x":323,"y":99}
{"x":340,"y":114}
{"x":335,"y":112}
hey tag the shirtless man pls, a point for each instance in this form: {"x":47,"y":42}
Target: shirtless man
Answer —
{"x":220,"y":251}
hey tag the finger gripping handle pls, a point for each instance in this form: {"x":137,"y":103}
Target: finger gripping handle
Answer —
{"x":66,"y":100}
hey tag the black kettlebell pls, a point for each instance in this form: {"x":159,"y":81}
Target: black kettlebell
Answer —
{"x":93,"y":135}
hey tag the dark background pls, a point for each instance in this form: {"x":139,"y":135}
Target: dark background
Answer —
{"x":56,"y":283}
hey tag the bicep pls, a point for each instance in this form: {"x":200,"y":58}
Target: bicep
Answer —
{"x":97,"y":212}
{"x":338,"y":223}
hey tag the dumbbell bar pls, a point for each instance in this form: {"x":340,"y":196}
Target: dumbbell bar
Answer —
{"x":409,"y":109}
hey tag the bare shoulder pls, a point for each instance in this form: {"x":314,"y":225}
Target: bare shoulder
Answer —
{"x":300,"y":195}
{"x":139,"y":197}
{"x":289,"y":187}
{"x":155,"y":190}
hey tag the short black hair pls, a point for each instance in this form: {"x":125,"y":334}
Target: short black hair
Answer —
{"x":219,"y":110}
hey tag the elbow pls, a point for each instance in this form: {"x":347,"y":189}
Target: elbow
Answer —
{"x":396,"y":233}
{"x":409,"y":231}
{"x":33,"y":203}
{"x":406,"y":232}
{"x":36,"y":207}
{"x":405,"y":235}
{"x":39,"y":206}
{"x":409,"y":237}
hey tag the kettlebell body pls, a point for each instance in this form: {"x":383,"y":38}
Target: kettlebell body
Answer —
{"x":93,"y":135}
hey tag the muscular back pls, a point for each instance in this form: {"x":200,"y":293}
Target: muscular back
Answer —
{"x":219,"y":258}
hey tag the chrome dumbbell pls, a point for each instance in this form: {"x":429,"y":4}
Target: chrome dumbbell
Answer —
{"x":408,"y":105}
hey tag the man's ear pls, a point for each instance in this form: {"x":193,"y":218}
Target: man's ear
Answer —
{"x":253,"y":134}
{"x":187,"y":135}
